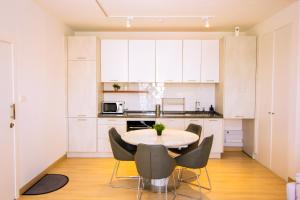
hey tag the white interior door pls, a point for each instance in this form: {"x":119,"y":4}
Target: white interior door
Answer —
{"x":283,"y":105}
{"x":7,"y":158}
{"x":264,"y":79}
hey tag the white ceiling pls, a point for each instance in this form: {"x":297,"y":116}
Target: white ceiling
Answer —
{"x":85,"y":15}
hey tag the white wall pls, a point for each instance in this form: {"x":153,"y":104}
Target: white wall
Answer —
{"x":39,"y":41}
{"x":289,"y":15}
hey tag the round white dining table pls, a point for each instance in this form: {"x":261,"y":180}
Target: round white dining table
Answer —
{"x":170,"y":138}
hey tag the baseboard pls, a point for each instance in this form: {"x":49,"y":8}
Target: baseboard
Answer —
{"x":233,"y":148}
{"x":89,"y":155}
{"x":40,"y":175}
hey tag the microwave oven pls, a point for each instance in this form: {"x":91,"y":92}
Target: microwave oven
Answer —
{"x":113,"y":107}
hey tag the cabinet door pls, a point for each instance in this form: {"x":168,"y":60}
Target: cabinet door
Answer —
{"x":103,"y":137}
{"x":210,"y":61}
{"x":114,"y":60}
{"x":82,"y":89}
{"x":169,"y":61}
{"x":239,"y":77}
{"x":195,"y":121}
{"x":214,"y":127}
{"x":141,"y":61}
{"x":82,"y":134}
{"x":82,"y":48}
{"x":173,"y":123}
{"x":191,"y":61}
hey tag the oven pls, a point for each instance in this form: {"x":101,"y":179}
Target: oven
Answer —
{"x":139,"y":124}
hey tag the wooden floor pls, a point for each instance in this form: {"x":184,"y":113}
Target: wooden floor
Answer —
{"x":234,"y":177}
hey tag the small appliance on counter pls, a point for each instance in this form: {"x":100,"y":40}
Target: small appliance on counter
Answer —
{"x":113,"y":107}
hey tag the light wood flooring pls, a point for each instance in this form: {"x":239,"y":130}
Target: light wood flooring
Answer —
{"x":234,"y":177}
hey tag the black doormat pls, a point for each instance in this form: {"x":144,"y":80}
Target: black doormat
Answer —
{"x":48,"y":183}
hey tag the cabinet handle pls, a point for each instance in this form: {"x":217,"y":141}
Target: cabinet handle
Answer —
{"x":210,"y":80}
{"x":191,"y":80}
{"x":81,"y":115}
{"x":213,"y":120}
{"x":113,"y":80}
{"x":81,"y":58}
{"x":271,"y":113}
{"x":81,"y":119}
{"x":239,"y":116}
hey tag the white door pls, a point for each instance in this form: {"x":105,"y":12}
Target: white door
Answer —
{"x":214,"y":127}
{"x":264,"y":82}
{"x":169,"y":61}
{"x":141,"y":60}
{"x":82,"y":134}
{"x":7,"y":154}
{"x":210,"y":61}
{"x":114,"y":60}
{"x":82,"y":89}
{"x":283,"y":106}
{"x":191,"y":61}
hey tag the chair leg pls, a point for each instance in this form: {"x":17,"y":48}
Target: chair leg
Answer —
{"x":174,"y":184}
{"x":139,"y":192}
{"x":166,"y":188}
{"x":114,"y":175}
{"x":197,"y":176}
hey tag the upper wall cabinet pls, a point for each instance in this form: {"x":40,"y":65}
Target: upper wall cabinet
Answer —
{"x":141,"y":60}
{"x":114,"y":60}
{"x":82,"y":48}
{"x":210,"y":61}
{"x":236,"y":91}
{"x":191,"y":68}
{"x":169,"y":61}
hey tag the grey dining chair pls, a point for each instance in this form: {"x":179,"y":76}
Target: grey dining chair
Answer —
{"x":193,"y":128}
{"x":121,"y":152}
{"x":196,"y":159}
{"x":154,"y":162}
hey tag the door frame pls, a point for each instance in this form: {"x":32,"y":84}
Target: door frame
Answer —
{"x":13,"y":83}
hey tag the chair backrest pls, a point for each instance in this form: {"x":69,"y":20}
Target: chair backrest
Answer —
{"x":194,"y":128}
{"x":198,"y":157}
{"x":118,"y":146}
{"x":153,"y":161}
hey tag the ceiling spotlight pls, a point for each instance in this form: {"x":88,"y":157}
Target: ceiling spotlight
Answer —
{"x":128,"y":22}
{"x":206,"y":21}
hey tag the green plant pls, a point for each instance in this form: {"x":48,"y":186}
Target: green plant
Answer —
{"x":116,"y":86}
{"x":159,"y":128}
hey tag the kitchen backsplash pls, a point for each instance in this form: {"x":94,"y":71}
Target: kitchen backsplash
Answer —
{"x":205,"y":93}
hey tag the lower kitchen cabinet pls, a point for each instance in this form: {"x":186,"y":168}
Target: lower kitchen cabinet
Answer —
{"x":82,"y":135}
{"x":172,"y":123}
{"x":104,"y":125}
{"x":214,"y":127}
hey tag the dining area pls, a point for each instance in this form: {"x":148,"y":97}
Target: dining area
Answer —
{"x":164,"y":160}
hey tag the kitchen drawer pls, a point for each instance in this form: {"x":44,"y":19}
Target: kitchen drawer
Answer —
{"x":112,"y":121}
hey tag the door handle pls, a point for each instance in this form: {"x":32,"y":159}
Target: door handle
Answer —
{"x":11,"y":125}
{"x":13,"y":111}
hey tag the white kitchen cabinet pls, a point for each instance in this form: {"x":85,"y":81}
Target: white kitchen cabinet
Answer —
{"x":210,"y":61}
{"x":104,"y":125}
{"x":169,"y":61}
{"x":114,"y":60}
{"x":215,"y":127}
{"x":82,"y":48}
{"x":197,"y":121}
{"x":141,"y":60}
{"x":82,"y":89}
{"x":236,"y":91}
{"x":191,"y":68}
{"x":82,"y":135}
{"x":172,"y":123}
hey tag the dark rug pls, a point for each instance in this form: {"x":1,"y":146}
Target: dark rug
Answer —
{"x":48,"y":183}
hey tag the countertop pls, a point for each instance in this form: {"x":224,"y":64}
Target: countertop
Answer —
{"x":169,"y":114}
